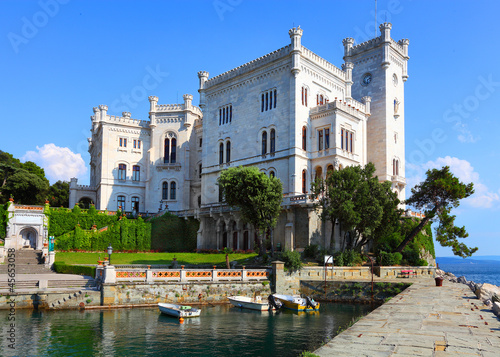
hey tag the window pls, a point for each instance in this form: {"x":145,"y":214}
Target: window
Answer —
{"x":136,"y":173}
{"x":172,"y":190}
{"x":273,"y":141}
{"x":304,"y":96}
{"x":320,"y":99}
{"x":320,"y":139}
{"x":329,"y":170}
{"x":327,"y":138}
{"x":304,"y":138}
{"x":319,"y":173}
{"x":122,"y":172}
{"x":272,"y":174}
{"x":264,"y":143}
{"x":304,"y":179}
{"x":199,"y":170}
{"x":170,"y":151}
{"x":225,"y":115}
{"x":347,"y":140}
{"x":201,"y":142}
{"x":395,"y":167}
{"x":268,"y":100}
{"x":166,"y":153}
{"x":135,"y":204}
{"x":121,"y":203}
{"x":164,"y":191}
{"x":173,"y":151}
{"x":137,"y":144}
{"x":221,"y":153}
{"x":123,"y":142}
{"x":228,"y":152}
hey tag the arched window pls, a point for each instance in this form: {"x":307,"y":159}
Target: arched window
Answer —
{"x":303,"y":90}
{"x":135,"y":204}
{"x":329,"y":170}
{"x":221,"y":153}
{"x":136,"y":173}
{"x":273,"y":141}
{"x":304,"y":138}
{"x":304,"y":181}
{"x":173,"y":151}
{"x":267,"y":100}
{"x":320,"y":140}
{"x":164,"y":191}
{"x":166,"y":153}
{"x":172,"y":190}
{"x":272,"y":174}
{"x":305,"y":96}
{"x":395,"y":167}
{"x":319,"y":173}
{"x":262,"y":103}
{"x":264,"y":143}
{"x":228,"y":152}
{"x":122,"y":172}
{"x":121,"y":203}
{"x":275,"y":98}
{"x":246,"y":242}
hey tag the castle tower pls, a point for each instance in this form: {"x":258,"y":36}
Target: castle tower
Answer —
{"x":380,"y":71}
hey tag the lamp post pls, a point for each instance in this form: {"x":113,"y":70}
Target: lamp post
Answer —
{"x":110,"y":251}
{"x":51,"y":243}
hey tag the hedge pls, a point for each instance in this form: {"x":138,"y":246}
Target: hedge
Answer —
{"x":124,"y":234}
{"x":173,"y":234}
{"x":62,"y":268}
{"x":4,"y":219}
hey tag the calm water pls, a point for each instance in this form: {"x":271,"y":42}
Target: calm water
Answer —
{"x":478,"y":273}
{"x":221,"y":330}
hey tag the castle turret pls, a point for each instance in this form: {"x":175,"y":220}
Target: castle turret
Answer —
{"x":153,"y":101}
{"x":203,"y":76}
{"x":296,"y":48}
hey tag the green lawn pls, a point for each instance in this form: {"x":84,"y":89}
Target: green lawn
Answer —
{"x":153,"y":258}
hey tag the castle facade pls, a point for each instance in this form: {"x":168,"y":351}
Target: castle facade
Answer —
{"x":291,"y":113}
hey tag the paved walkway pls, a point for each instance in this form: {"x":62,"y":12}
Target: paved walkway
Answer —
{"x":424,"y":320}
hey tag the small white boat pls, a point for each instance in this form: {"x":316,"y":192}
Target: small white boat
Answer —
{"x":178,"y":310}
{"x":249,"y":303}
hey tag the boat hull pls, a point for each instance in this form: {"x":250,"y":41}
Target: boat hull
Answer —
{"x":248,"y":303}
{"x":296,"y":304}
{"x":178,"y":310}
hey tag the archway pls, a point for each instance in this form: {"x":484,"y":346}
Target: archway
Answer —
{"x":85,"y":202}
{"x":28,"y":238}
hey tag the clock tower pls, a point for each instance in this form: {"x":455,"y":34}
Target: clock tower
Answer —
{"x":380,"y":72}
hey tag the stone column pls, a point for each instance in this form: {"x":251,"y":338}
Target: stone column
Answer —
{"x":278,"y":278}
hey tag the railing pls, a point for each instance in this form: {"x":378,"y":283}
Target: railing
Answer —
{"x":186,"y":275}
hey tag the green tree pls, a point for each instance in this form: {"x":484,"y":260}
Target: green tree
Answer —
{"x":257,"y":195}
{"x":437,"y":195}
{"x":59,"y":194}
{"x":365,"y":208}
{"x":26,"y":182}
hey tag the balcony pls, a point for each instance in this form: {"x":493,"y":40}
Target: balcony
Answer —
{"x":398,"y":180}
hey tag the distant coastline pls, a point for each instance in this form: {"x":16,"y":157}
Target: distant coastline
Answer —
{"x":481,"y":269}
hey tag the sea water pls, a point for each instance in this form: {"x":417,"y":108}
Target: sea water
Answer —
{"x":478,"y":273}
{"x":221,"y":330}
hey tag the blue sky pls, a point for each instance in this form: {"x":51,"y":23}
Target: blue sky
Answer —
{"x":60,"y":58}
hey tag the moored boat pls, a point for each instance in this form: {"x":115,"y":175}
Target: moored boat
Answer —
{"x":250,"y":303}
{"x":297,"y":303}
{"x":178,"y":310}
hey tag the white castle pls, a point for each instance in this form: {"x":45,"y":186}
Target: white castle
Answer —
{"x":291,"y":113}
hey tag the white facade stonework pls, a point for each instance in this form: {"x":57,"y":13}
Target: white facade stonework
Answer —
{"x":291,"y":113}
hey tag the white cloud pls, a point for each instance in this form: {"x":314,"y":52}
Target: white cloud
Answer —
{"x":483,"y":196}
{"x":59,"y":163}
{"x":465,"y":135}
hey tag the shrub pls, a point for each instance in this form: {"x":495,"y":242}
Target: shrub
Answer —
{"x":62,"y":268}
{"x":348,"y":258}
{"x":291,"y":259}
{"x":387,"y":259}
{"x":310,"y":251}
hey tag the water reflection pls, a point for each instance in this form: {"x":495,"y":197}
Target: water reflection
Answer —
{"x":220,"y":331}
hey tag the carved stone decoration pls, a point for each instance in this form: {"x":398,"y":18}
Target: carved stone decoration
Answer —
{"x":336,"y":163}
{"x":126,"y":114}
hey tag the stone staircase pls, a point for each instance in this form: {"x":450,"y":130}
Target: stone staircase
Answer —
{"x":27,"y":261}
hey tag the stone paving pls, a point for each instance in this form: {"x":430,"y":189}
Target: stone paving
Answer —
{"x":424,"y":320}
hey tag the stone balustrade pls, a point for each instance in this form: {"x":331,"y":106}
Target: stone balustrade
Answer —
{"x":110,"y":274}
